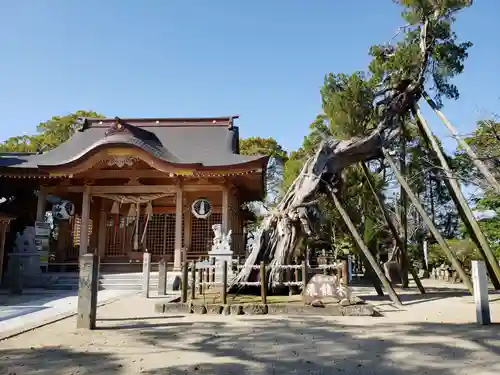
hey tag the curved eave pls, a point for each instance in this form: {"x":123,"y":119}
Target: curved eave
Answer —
{"x":78,"y":165}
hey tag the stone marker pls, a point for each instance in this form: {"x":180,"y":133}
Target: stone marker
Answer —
{"x":176,"y":285}
{"x":162,"y":277}
{"x":87,"y":291}
{"x":322,"y":287}
{"x":16,"y":280}
{"x":146,"y":274}
{"x":480,"y":282}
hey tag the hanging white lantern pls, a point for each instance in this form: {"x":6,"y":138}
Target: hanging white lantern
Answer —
{"x":64,"y":210}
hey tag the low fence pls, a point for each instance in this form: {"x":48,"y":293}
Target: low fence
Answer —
{"x":197,"y":279}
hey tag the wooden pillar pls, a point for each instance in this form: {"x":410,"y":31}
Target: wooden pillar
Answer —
{"x":187,"y":227}
{"x":225,"y":210}
{"x":3,"y":232}
{"x":101,"y":232}
{"x":178,"y":228}
{"x":41,"y":204}
{"x":84,"y":226}
{"x":94,"y":216}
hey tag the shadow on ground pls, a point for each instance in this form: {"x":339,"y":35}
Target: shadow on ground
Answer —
{"x":267,"y":346}
{"x":55,"y":361}
{"x":410,"y":297}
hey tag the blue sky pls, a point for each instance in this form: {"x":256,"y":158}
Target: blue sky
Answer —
{"x":264,"y":60}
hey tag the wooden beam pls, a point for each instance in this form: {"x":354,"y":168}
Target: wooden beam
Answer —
{"x":391,"y":225}
{"x":478,"y":163}
{"x":373,"y":263}
{"x":130,"y":189}
{"x":432,"y":227}
{"x":459,"y":199}
{"x":122,"y":189}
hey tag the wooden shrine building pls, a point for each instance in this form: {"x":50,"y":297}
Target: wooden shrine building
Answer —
{"x":145,"y":183}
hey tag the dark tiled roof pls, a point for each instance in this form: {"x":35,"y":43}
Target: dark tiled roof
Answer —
{"x":209,"y":142}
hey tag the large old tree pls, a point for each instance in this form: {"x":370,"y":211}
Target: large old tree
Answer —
{"x":363,"y":114}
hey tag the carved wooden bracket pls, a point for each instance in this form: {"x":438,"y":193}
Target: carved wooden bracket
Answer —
{"x":122,"y":161}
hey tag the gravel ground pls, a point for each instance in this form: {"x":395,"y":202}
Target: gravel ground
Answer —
{"x":433,"y":335}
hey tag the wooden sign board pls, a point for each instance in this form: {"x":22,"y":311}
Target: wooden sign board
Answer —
{"x":323,"y":286}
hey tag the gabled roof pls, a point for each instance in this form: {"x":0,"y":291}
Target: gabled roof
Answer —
{"x":197,"y":142}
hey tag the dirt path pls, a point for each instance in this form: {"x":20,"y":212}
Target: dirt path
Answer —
{"x":432,"y":336}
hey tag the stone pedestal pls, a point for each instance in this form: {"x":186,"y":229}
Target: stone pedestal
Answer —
{"x":24,"y":269}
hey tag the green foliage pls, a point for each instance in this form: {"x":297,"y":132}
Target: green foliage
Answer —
{"x":447,"y":55}
{"x":51,"y":133}
{"x":278,"y":156}
{"x":347,"y":104}
{"x":465,"y":250}
{"x":348,"y":111}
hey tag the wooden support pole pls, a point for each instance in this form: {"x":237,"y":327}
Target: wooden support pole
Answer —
{"x":481,"y":299}
{"x":459,"y":199}
{"x":87,"y":292}
{"x":184,"y":283}
{"x":193,"y":281}
{"x":403,"y":256}
{"x":439,"y":238}
{"x":263,"y":283}
{"x":478,"y":163}
{"x":162,"y":277}
{"x":373,"y":263}
{"x":224,"y":283}
{"x":390,"y":224}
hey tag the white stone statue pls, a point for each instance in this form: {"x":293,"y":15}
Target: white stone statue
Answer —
{"x":221,"y":241}
{"x":221,"y":247}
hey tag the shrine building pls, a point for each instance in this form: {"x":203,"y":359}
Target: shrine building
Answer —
{"x":155,"y":184}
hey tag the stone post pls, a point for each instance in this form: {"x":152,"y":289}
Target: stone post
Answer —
{"x":480,"y":283}
{"x":146,"y":274}
{"x":16,"y":281}
{"x":87,"y":291}
{"x":162,"y":277}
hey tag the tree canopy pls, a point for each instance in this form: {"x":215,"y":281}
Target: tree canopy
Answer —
{"x":50,"y":134}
